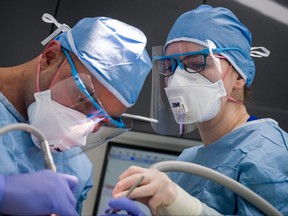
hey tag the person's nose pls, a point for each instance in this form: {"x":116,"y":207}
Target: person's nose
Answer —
{"x":98,"y":125}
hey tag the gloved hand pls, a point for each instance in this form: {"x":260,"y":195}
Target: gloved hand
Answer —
{"x":123,"y":203}
{"x":40,"y":193}
{"x":158,"y":191}
{"x":155,"y":191}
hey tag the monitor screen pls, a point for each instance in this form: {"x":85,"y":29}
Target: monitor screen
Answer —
{"x":119,"y":157}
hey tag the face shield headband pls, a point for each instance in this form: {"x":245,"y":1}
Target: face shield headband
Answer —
{"x":117,"y":122}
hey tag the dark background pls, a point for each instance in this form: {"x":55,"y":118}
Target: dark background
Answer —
{"x":22,"y":30}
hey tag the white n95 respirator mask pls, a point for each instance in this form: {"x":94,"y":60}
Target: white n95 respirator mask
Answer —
{"x":63,"y":127}
{"x":193,"y":98}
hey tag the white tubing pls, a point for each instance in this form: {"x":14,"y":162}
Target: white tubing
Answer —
{"x":236,"y":187}
{"x":49,"y":162}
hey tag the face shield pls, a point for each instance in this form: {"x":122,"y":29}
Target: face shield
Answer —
{"x":186,"y":88}
{"x":85,"y":100}
{"x":105,"y":128}
{"x":160,"y":107}
{"x":93,"y":108}
{"x":68,"y":94}
{"x":70,"y":110}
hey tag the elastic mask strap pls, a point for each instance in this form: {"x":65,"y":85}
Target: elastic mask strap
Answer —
{"x":38,"y":74}
{"x":226,"y":72}
{"x":229,"y":97}
{"x":234,"y":100}
{"x":61,"y":27}
{"x":57,"y":73}
{"x":218,"y":64}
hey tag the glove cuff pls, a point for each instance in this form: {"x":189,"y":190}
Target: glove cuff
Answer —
{"x":184,"y":204}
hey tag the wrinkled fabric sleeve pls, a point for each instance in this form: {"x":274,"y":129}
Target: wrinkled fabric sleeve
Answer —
{"x":84,"y":194}
{"x":2,"y":186}
{"x":265,"y":172}
{"x":275,"y":193}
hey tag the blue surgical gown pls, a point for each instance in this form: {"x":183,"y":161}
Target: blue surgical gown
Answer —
{"x":18,"y":154}
{"x":255,"y":154}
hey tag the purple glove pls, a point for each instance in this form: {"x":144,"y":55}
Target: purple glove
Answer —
{"x":40,"y":193}
{"x":124,"y":204}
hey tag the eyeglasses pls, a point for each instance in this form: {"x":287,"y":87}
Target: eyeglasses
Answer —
{"x":100,"y":111}
{"x":192,"y":62}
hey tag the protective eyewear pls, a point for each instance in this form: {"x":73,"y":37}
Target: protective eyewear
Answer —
{"x":92,"y":108}
{"x":191,"y":62}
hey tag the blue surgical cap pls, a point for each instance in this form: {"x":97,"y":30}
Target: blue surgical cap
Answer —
{"x":222,"y":27}
{"x":114,"y":52}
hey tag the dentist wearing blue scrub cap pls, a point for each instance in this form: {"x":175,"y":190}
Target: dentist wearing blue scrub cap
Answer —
{"x":85,"y":78}
{"x":207,"y":68}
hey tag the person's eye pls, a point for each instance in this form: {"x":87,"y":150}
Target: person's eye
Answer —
{"x":84,"y":99}
{"x":165,"y":67}
{"x":168,"y":69}
{"x":194,"y":66}
{"x":81,"y":100}
{"x":194,"y":63}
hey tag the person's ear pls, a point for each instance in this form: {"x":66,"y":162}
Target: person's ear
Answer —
{"x":51,"y":54}
{"x":239,"y":83}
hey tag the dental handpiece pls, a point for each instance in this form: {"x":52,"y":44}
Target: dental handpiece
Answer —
{"x":136,"y":184}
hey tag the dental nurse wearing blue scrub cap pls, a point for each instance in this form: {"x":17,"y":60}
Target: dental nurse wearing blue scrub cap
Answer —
{"x":85,"y":78}
{"x":207,"y":68}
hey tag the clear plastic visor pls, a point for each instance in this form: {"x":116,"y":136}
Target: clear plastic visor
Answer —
{"x":201,"y":67}
{"x":86,"y":88}
{"x":160,"y":107}
{"x":68,"y":94}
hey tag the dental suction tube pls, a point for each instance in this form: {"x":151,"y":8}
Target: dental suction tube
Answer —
{"x":49,"y":162}
{"x":236,"y":187}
